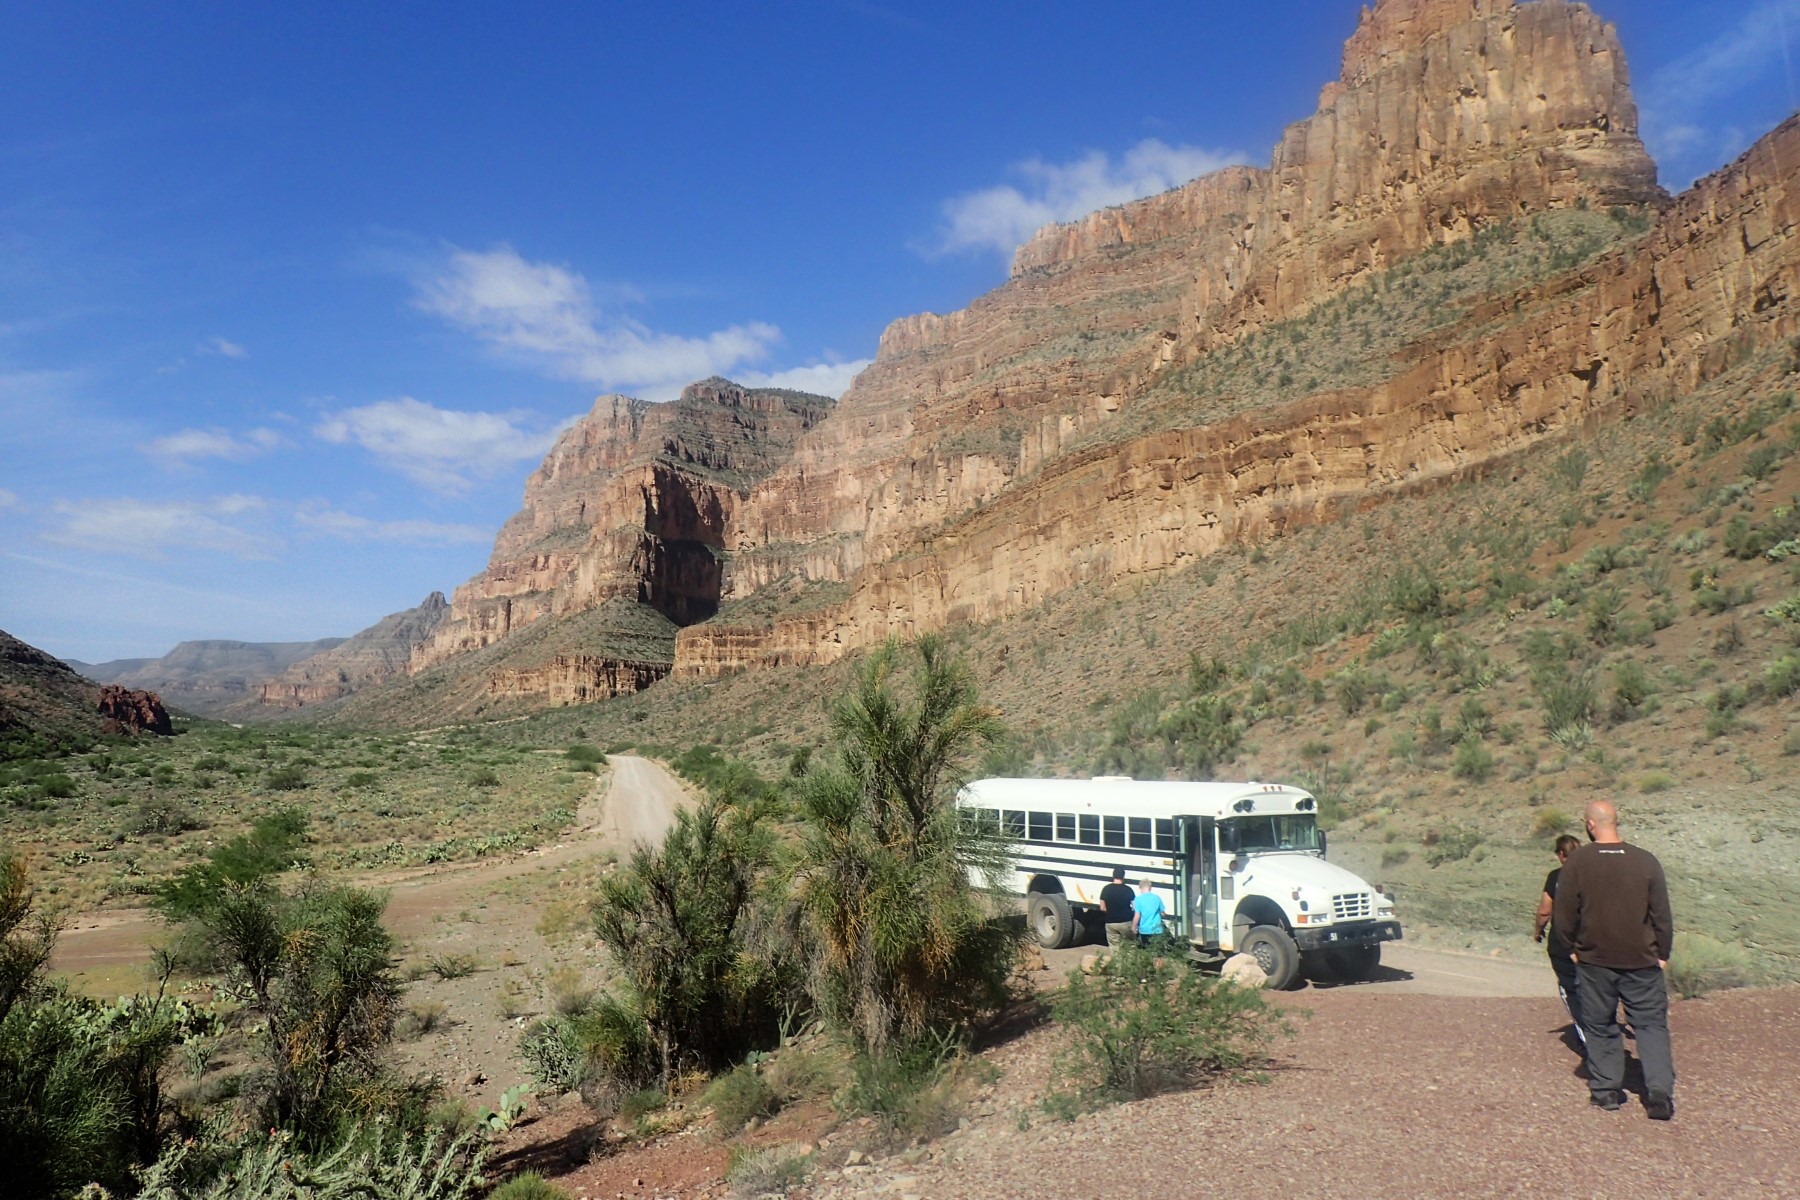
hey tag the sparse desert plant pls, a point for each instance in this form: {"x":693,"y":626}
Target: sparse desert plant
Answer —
{"x":1656,"y":781}
{"x":361,"y":779}
{"x":529,"y":1186}
{"x":1452,"y":843}
{"x":1473,"y":761}
{"x":1700,"y":964}
{"x":420,"y":1019}
{"x":163,"y":814}
{"x":1631,"y":690}
{"x":452,"y":966}
{"x":371,"y":1162}
{"x":1781,"y":677}
{"x":1144,"y":1023}
{"x":768,"y":1172}
{"x":1550,"y":822}
{"x":1393,"y":856}
{"x":583,"y":753}
{"x":1566,"y":696}
{"x":484,"y":777}
{"x":738,"y":1095}
{"x":285,"y":779}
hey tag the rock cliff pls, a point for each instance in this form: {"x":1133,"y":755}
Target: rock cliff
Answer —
{"x":1058,"y":431}
{"x":210,"y":677}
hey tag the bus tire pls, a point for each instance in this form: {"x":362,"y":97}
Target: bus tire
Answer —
{"x":1051,"y":919}
{"x":1275,"y":952}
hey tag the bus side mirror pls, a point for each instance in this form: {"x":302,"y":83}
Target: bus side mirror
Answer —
{"x":1228,"y":838}
{"x":1321,"y":843}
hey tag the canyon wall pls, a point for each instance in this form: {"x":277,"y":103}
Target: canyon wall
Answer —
{"x":379,"y":653}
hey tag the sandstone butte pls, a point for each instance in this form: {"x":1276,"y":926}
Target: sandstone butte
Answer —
{"x":969,"y":473}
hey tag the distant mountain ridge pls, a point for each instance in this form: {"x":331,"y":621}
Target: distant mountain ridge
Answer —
{"x":207,"y":677}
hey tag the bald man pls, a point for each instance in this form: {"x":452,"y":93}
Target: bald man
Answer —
{"x":1612,"y":908}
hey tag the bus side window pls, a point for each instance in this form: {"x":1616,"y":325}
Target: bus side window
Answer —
{"x":1140,"y":833}
{"x":1065,"y":827}
{"x":1039,"y":826}
{"x":1013,"y":822}
{"x":1165,"y":835}
{"x":1090,"y":830}
{"x":1114,"y":828}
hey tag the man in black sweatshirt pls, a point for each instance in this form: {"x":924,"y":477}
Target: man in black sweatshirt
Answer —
{"x":1116,"y":898}
{"x":1612,"y":908}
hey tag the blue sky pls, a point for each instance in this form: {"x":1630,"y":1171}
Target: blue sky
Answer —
{"x":292,"y":298}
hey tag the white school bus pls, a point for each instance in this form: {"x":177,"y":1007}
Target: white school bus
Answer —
{"x":1240,"y":866}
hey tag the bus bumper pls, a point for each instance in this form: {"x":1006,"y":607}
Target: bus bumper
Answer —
{"x":1354,"y":933}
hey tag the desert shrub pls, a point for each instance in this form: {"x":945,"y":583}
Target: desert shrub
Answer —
{"x":1201,"y":733}
{"x":1656,"y":781}
{"x":452,"y":966}
{"x":737,"y":1096}
{"x":484,"y":777}
{"x":581,"y":753}
{"x":420,"y":1019}
{"x":762,"y":1172}
{"x":1474,"y":718}
{"x":915,"y":1090}
{"x":316,"y":970}
{"x":372,"y":1162}
{"x":1566,"y":696}
{"x":902,"y":943}
{"x":1631,"y":690}
{"x":1700,"y":964}
{"x":361,"y":779}
{"x":605,"y":1052}
{"x":1352,"y":691}
{"x":1393,"y":856}
{"x":273,"y":845}
{"x":286,"y":779}
{"x":677,"y":918}
{"x":1472,"y":762}
{"x":1782,"y":676}
{"x":1452,"y":843}
{"x":1144,"y":1023}
{"x":529,"y":1186}
{"x":164,"y":815}
{"x":1550,"y":822}
{"x":1413,"y":591}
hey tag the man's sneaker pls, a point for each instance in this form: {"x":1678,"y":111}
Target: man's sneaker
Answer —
{"x":1659,"y":1106}
{"x":1610,"y":1101}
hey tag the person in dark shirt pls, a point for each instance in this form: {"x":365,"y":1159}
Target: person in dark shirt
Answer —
{"x":1612,"y":907}
{"x":1567,"y":984}
{"x":1116,"y":898}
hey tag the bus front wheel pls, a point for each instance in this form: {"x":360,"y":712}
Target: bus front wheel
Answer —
{"x":1051,"y":919}
{"x":1275,"y":952}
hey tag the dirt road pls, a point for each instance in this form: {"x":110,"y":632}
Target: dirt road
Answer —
{"x":635,"y":801}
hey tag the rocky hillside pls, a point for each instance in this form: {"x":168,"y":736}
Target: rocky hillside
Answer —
{"x":207,"y":678}
{"x":377,"y":654}
{"x":1461,"y":254}
{"x":43,"y":702}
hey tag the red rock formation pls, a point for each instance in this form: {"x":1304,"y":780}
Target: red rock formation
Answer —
{"x":133,"y":712}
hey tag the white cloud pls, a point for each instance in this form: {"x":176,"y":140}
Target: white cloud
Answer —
{"x":1673,"y":102}
{"x":223,"y":348}
{"x":547,"y":317}
{"x":181,"y":449}
{"x":438,"y":448}
{"x":1001,"y":217}
{"x":224,"y":524}
{"x":326,"y":521}
{"x":821,"y":379}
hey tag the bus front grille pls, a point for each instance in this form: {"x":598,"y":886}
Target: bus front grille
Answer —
{"x":1351,"y":906}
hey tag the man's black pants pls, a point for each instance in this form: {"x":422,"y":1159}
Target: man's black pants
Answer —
{"x":1646,"y":1000}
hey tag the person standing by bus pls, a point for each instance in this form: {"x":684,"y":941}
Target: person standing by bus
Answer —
{"x":1562,"y":959}
{"x":1146,"y":914}
{"x":1115,"y":899}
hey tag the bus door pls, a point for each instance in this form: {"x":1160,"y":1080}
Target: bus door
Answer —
{"x":1199,"y":878}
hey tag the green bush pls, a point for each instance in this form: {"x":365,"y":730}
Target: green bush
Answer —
{"x":1452,"y":843}
{"x":1631,"y":690}
{"x":1566,"y":696}
{"x":762,"y":1172}
{"x":1550,"y":822}
{"x":286,"y":779}
{"x":1782,"y":677}
{"x":1473,"y":762}
{"x":604,"y":1052}
{"x":582,"y":753}
{"x":452,"y":966}
{"x":1145,"y":1023}
{"x":737,"y":1096}
{"x":372,"y":1162}
{"x":272,"y":846}
{"x":56,"y":787}
{"x":484,"y":777}
{"x":164,"y":815}
{"x":1700,"y":964}
{"x":529,"y":1186}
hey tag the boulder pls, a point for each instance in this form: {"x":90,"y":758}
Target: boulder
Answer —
{"x":1244,"y":971}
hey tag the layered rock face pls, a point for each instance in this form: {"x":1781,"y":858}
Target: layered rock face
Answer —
{"x":982,"y":463}
{"x":633,"y":502}
{"x":576,"y":679}
{"x":377,"y":654}
{"x":133,"y":712}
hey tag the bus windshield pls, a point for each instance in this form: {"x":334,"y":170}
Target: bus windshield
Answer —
{"x":1285,"y":831}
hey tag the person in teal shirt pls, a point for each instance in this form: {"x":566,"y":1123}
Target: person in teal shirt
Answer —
{"x":1146,"y":913}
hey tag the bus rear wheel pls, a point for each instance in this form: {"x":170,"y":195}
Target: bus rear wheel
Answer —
{"x":1051,"y":919}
